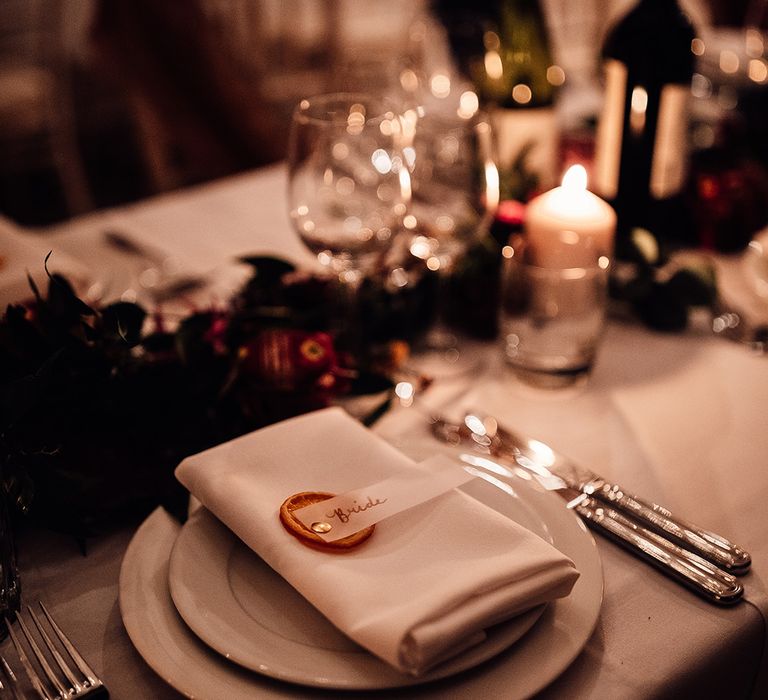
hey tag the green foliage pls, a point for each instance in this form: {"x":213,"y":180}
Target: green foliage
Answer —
{"x":99,"y":405}
{"x":660,"y":297}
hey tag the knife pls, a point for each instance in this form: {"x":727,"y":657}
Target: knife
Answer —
{"x":488,"y":436}
{"x":696,"y":573}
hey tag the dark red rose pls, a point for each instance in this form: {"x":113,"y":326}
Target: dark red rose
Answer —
{"x":217,"y":333}
{"x":288,"y":359}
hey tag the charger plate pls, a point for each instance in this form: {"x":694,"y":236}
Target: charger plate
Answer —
{"x":522,"y":669}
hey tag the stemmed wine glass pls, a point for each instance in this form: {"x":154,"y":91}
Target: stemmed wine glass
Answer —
{"x":348,"y":185}
{"x":455,"y":193}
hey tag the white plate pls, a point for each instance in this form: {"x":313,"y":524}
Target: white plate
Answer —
{"x":239,"y":606}
{"x":186,"y":663}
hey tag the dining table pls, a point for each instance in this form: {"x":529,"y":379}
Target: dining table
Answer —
{"x":679,"y":418}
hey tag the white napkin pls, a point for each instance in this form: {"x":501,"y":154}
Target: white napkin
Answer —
{"x":429,"y":580}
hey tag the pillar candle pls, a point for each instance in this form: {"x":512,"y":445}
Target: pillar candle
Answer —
{"x":569,"y":226}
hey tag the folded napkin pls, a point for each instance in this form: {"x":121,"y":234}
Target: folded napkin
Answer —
{"x":429,"y":580}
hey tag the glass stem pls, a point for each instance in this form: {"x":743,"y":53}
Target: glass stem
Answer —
{"x":440,"y":336}
{"x":350,"y":333}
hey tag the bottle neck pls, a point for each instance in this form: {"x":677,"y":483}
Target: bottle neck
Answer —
{"x":660,"y":5}
{"x":659,"y":8}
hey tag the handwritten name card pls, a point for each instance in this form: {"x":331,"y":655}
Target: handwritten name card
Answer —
{"x":353,"y":511}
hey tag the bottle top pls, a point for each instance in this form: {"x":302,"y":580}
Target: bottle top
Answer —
{"x":654,"y":41}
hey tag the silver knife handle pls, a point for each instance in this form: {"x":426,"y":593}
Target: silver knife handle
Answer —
{"x":709,"y":545}
{"x":693,"y":571}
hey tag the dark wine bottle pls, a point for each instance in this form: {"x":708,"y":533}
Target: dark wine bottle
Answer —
{"x":641,"y":147}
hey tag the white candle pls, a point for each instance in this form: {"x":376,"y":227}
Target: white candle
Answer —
{"x":569,"y":226}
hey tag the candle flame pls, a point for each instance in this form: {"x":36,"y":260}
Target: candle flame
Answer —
{"x":575,"y":178}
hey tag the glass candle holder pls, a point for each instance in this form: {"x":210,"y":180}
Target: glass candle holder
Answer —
{"x":552,"y":319}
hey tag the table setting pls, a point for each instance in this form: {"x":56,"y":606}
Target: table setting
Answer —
{"x":387,"y":419}
{"x":615,"y":425}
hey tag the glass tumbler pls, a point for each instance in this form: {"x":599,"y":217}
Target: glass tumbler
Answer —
{"x":552,"y":320}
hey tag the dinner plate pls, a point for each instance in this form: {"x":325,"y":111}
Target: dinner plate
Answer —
{"x":239,"y":606}
{"x":194,"y":669}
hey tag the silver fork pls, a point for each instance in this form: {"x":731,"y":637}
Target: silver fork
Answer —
{"x":10,"y":677}
{"x":70,"y":686}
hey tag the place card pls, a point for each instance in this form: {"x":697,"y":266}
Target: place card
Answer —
{"x":350,"y":512}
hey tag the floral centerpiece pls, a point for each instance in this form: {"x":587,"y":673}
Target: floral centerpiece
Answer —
{"x":100,"y":404}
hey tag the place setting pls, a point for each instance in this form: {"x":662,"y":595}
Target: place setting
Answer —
{"x":208,"y":586}
{"x":464,"y":564}
{"x":444,"y":571}
{"x":246,"y":590}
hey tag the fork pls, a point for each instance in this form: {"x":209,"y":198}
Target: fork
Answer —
{"x":70,"y":688}
{"x":10,"y":676}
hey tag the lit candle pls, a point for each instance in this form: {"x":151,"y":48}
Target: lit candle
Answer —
{"x":569,"y":226}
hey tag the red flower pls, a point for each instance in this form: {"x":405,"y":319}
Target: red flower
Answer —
{"x":217,"y":333}
{"x":287,"y":359}
{"x":315,"y":352}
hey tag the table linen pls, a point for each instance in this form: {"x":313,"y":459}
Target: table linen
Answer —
{"x":23,"y":257}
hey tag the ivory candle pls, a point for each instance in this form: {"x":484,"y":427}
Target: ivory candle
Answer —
{"x":569,"y":226}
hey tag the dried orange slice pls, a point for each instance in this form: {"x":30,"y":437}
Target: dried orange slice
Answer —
{"x":307,"y":536}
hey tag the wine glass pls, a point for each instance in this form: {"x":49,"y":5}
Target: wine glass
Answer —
{"x":455,"y":193}
{"x":348,"y":184}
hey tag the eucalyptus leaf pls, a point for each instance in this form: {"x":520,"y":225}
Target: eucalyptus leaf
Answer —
{"x":62,"y":297}
{"x":267,"y":269}
{"x":695,"y":285}
{"x":646,"y":244}
{"x":124,"y":320}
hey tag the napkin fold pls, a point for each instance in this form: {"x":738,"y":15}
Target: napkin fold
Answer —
{"x":428,"y":582}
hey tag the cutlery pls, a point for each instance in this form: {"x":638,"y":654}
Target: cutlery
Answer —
{"x":558,"y":471}
{"x":10,"y":676}
{"x":696,"y":573}
{"x":66,"y":682}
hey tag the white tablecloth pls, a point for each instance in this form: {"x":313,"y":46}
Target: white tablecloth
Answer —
{"x":680,"y":419}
